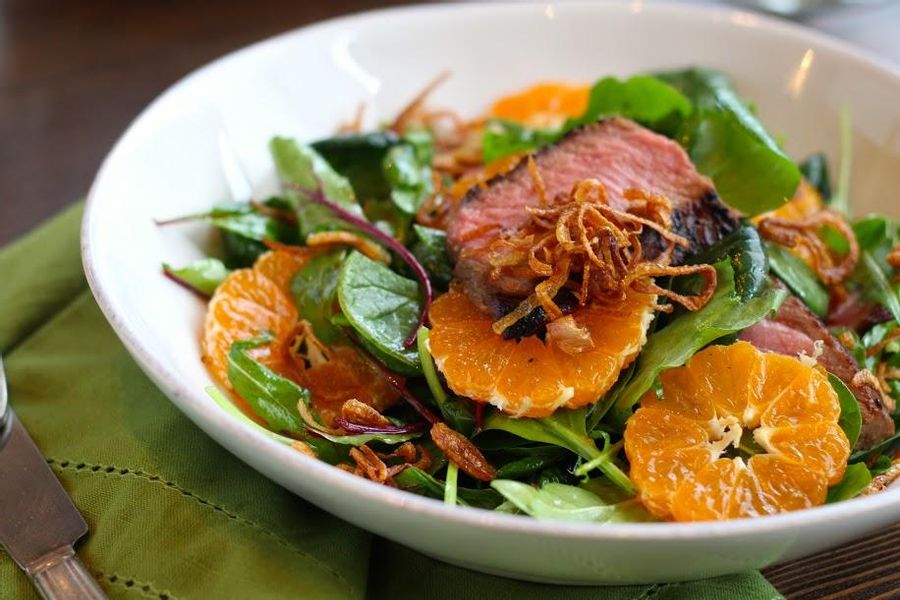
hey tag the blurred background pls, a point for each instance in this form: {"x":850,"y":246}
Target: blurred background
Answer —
{"x":74,"y":73}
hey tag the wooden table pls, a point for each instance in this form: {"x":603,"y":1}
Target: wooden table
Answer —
{"x":73,"y":74}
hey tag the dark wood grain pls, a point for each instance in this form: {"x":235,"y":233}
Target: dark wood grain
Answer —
{"x":74,"y":73}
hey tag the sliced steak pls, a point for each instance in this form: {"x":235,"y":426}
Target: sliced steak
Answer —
{"x":617,"y":152}
{"x":794,"y":331}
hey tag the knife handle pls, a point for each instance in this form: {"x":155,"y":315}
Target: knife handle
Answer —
{"x":59,"y":575}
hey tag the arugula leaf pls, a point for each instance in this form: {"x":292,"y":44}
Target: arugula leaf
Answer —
{"x":407,"y":170}
{"x":799,"y":277}
{"x":314,"y":288}
{"x":856,"y":478}
{"x":413,"y":479}
{"x":815,"y":171}
{"x":382,"y":307}
{"x":360,"y":158}
{"x":673,"y":345}
{"x":850,"y":419}
{"x":301,"y":165}
{"x":203,"y":275}
{"x":240,"y":252}
{"x":567,"y":429}
{"x":430,"y":248}
{"x":728,"y":143}
{"x":642,"y":98}
{"x":272,"y":397}
{"x":556,"y":501}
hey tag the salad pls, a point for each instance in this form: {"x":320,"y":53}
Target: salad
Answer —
{"x":610,"y":302}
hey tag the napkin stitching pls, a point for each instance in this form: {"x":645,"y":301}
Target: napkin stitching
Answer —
{"x":145,"y":589}
{"x":654,"y":590}
{"x":109,"y":470}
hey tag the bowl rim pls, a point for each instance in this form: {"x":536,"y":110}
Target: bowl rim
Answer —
{"x":219,"y":424}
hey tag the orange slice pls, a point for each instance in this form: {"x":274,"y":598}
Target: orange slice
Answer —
{"x":543,"y":105}
{"x":532,"y":378}
{"x":684,"y":447}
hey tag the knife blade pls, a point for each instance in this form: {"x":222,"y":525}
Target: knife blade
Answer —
{"x":39,"y":524}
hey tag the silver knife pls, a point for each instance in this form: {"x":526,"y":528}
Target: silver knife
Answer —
{"x":39,"y":525}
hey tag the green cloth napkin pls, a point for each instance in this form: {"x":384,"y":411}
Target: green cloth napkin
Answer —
{"x":172,"y":514}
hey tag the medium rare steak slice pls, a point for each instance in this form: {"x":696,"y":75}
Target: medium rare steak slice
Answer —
{"x":794,"y":331}
{"x":617,"y":152}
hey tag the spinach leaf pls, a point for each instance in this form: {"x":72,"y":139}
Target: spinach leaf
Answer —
{"x":673,"y":345}
{"x":314,"y":288}
{"x":850,"y":419}
{"x":567,"y":429}
{"x":203,"y":275}
{"x":272,"y":397}
{"x":744,"y":249}
{"x":240,"y":252}
{"x":360,"y":158}
{"x":415,"y":480}
{"x":408,"y":172}
{"x":382,"y":307}
{"x":799,"y":277}
{"x":529,"y":465}
{"x":642,"y":98}
{"x":856,"y":478}
{"x":556,"y":501}
{"x":885,"y":447}
{"x":301,"y":165}
{"x":728,"y":143}
{"x":430,"y":248}
{"x":871,"y":280}
{"x":504,"y":138}
{"x":325,"y":450}
{"x":815,"y":171}
{"x":367,"y":438}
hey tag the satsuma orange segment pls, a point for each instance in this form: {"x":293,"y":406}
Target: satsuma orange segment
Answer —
{"x":281,"y":265}
{"x":690,"y":453}
{"x":530,"y":377}
{"x":543,"y":105}
{"x":247,"y":305}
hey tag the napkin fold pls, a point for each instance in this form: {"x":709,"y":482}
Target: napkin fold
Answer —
{"x":172,"y":514}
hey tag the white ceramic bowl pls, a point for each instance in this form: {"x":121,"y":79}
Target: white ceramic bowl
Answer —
{"x":180,"y":156}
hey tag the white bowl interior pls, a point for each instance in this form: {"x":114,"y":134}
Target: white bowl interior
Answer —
{"x":205,"y":141}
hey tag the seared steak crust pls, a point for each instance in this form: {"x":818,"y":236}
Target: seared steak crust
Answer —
{"x":617,"y":152}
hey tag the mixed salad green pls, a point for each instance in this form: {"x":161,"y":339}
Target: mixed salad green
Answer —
{"x":570,"y":465}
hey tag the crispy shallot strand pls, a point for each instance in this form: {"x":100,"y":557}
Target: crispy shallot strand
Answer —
{"x":893,"y":257}
{"x":356,"y":124}
{"x":311,"y":422}
{"x":372,"y":466}
{"x":399,"y":124}
{"x":347,"y":238}
{"x":276,"y":213}
{"x":805,"y":234}
{"x":641,"y":280}
{"x":318,"y":196}
{"x":583,"y":241}
{"x":537,"y":181}
{"x":888,"y":338}
{"x":282,"y":247}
